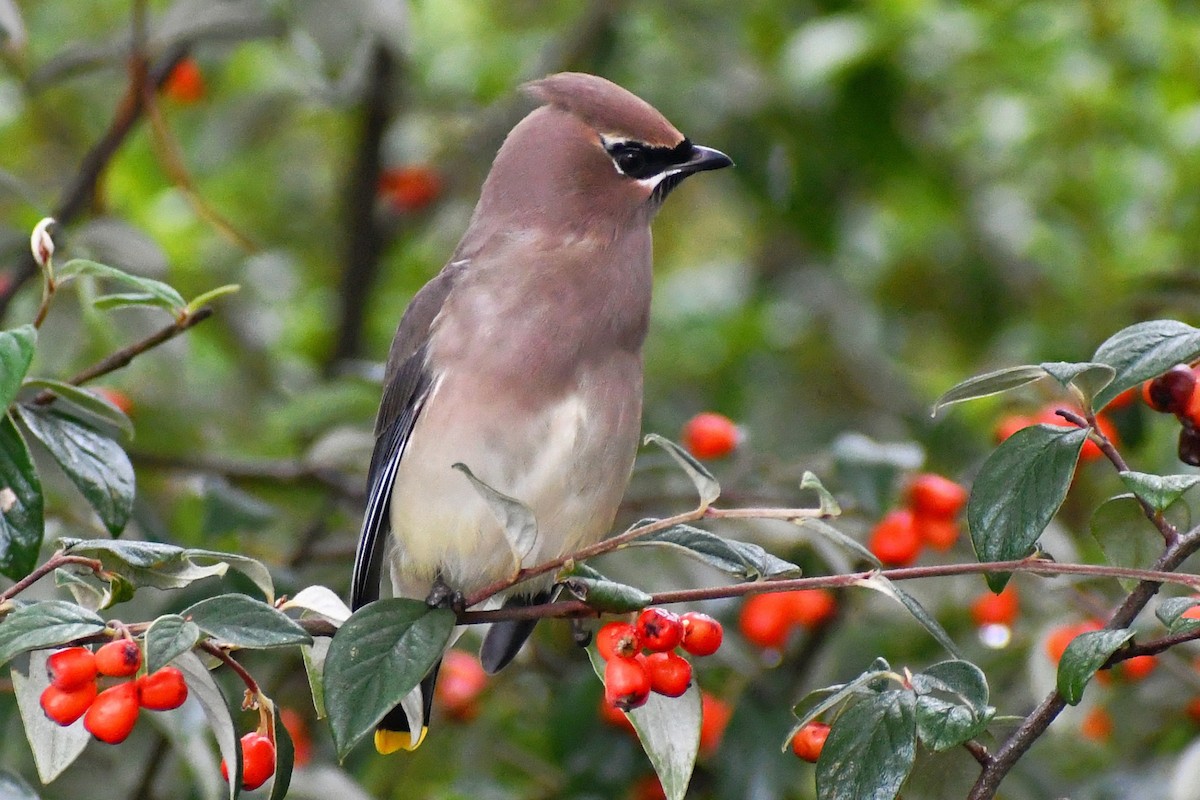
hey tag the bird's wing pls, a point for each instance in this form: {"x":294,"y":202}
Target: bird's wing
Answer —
{"x":407,"y":381}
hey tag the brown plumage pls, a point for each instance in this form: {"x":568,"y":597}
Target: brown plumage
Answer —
{"x":522,"y":360}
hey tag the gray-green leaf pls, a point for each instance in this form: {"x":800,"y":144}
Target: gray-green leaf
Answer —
{"x":21,"y":505}
{"x":1143,"y":351}
{"x":16,"y":353}
{"x":1086,"y":653}
{"x":241,"y":620}
{"x":706,"y":485}
{"x":870,"y":749}
{"x":166,"y":638}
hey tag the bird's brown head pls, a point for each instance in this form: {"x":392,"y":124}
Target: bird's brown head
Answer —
{"x":592,"y":154}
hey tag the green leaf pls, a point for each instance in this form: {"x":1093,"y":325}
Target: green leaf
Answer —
{"x":16,"y":354}
{"x":253,"y":569}
{"x":741,"y":559}
{"x":870,"y":749}
{"x":886,"y":587}
{"x":21,"y":510}
{"x":14,"y":787}
{"x":706,"y":485}
{"x":1119,"y":526}
{"x":159,"y":293}
{"x":960,"y":713}
{"x":44,"y":624}
{"x":520,"y":527}
{"x":828,"y":504}
{"x":90,"y":592}
{"x":167,"y":637}
{"x":241,"y":620}
{"x":90,"y":404}
{"x":204,"y":689}
{"x":285,"y":757}
{"x":94,"y":462}
{"x":1018,"y":490}
{"x":319,"y":600}
{"x":606,"y":595}
{"x":669,"y":731}
{"x":109,"y":301}
{"x":314,"y":669}
{"x":1086,"y":653}
{"x":153,"y":564}
{"x":201,"y":300}
{"x":1001,"y":380}
{"x":1087,"y":378}
{"x":377,"y":657}
{"x":1159,"y":491}
{"x":817,"y":702}
{"x":54,"y":747}
{"x":958,"y":677}
{"x":1170,"y":612}
{"x":1143,"y":351}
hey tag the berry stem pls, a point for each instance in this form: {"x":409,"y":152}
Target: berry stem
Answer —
{"x":217,"y":652}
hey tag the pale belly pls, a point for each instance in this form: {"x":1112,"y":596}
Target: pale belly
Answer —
{"x":569,"y":464}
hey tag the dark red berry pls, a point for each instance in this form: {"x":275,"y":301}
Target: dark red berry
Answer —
{"x":659,"y":630}
{"x":618,"y":639}
{"x":1171,"y":391}
{"x":1189,"y":445}
{"x":626,"y":683}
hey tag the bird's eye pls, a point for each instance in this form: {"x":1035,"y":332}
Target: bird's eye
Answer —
{"x":631,"y":161}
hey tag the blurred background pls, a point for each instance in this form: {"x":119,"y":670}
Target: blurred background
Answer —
{"x":924,"y":190}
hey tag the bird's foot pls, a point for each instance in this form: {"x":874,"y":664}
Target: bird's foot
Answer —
{"x":442,"y":595}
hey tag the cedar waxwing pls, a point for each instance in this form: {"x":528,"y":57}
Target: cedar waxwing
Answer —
{"x":522,"y":359}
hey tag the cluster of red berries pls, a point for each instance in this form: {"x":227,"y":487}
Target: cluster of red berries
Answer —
{"x":258,"y":760}
{"x":108,"y":715}
{"x":928,"y":517}
{"x":710,"y":435}
{"x":631,"y":675}
{"x":768,"y":619}
{"x":1174,"y":392}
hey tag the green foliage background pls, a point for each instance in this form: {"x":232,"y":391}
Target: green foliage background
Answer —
{"x":924,"y":190}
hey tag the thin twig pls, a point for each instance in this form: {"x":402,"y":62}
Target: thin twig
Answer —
{"x":213,"y":650}
{"x":51,"y":564}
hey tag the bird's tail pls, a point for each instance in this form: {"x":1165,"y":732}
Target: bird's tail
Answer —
{"x":405,"y":726}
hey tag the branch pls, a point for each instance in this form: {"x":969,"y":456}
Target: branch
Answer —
{"x":51,"y":564}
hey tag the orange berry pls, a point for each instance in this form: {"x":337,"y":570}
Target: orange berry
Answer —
{"x":767,"y":619}
{"x":119,"y":658}
{"x":670,"y":673}
{"x":996,"y":609}
{"x":710,"y":435}
{"x":409,"y":189}
{"x":162,"y":690}
{"x":113,"y":713}
{"x":186,"y":83}
{"x":626,"y":683}
{"x":1097,"y":725}
{"x":1123,"y":400}
{"x":940,"y":534}
{"x":931,"y":495}
{"x":810,"y":740}
{"x":702,"y":634}
{"x":659,"y":630}
{"x":1060,"y":637}
{"x":894,"y":540}
{"x":618,"y":639}
{"x":811,"y":608}
{"x":258,"y":760}
{"x":714,"y":716}
{"x":460,"y":682}
{"x":115,"y":397}
{"x":1192,"y":613}
{"x":71,"y":669}
{"x":297,"y":729}
{"x":1137,"y":668}
{"x":63,"y":706}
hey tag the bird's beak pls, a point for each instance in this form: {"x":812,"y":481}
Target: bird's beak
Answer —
{"x":704,"y":159}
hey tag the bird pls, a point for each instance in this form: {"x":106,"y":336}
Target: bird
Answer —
{"x":522,"y":360}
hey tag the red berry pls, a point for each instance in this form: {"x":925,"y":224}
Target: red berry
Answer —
{"x":1060,"y":637}
{"x":459,"y":684}
{"x":119,"y":658}
{"x":409,"y":189}
{"x":811,"y":608}
{"x":64,"y":707}
{"x":648,"y":788}
{"x":258,"y":760}
{"x":670,"y":673}
{"x":113,"y":713}
{"x":996,"y":609}
{"x":1137,"y":668}
{"x":1091,"y":451}
{"x":701,"y":633}
{"x":1170,"y":392}
{"x":1010,"y":424}
{"x":116,"y":397}
{"x":1097,"y":725}
{"x":1123,"y":400}
{"x":894,"y":540}
{"x":714,"y":716}
{"x":710,"y":435}
{"x":810,"y":740}
{"x":659,"y":630}
{"x":940,"y":534}
{"x":618,"y":639}
{"x":626,"y":683}
{"x":297,"y":729}
{"x":767,"y":619}
{"x":615,"y":717}
{"x":931,"y":495}
{"x":162,"y":690}
{"x":185,"y":84}
{"x":71,"y":669}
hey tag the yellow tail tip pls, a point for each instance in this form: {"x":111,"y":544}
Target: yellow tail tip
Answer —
{"x":388,"y":742}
